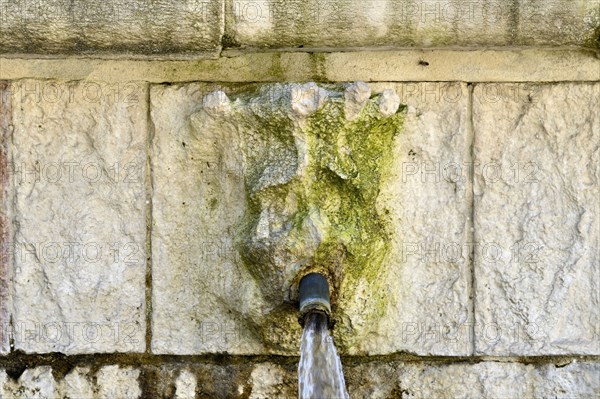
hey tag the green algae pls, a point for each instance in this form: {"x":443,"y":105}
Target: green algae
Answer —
{"x":343,"y":182}
{"x":332,"y":196}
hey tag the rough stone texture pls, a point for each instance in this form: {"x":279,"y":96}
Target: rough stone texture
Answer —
{"x":185,"y":385}
{"x":428,"y":198}
{"x":33,"y":383}
{"x":79,"y":229}
{"x":117,"y":382}
{"x":111,"y":27}
{"x":221,"y":380}
{"x":537,"y":212}
{"x":428,"y":23}
{"x":577,"y":380}
{"x":109,"y":382}
{"x":268,"y":381}
{"x":78,"y":383}
{"x":482,"y":380}
{"x":368,"y":380}
{"x":467,"y":66}
{"x":542,"y":299}
{"x":199,"y":200}
{"x":5,"y":125}
{"x":194,"y":27}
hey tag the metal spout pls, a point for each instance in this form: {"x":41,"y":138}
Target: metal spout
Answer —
{"x":313,"y":294}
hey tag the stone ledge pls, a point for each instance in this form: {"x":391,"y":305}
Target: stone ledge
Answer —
{"x":487,"y":65}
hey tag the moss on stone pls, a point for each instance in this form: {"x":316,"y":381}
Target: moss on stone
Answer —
{"x":318,"y":67}
{"x":348,"y":160}
{"x":324,"y":212}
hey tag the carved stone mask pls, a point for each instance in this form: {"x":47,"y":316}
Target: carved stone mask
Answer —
{"x":312,"y":161}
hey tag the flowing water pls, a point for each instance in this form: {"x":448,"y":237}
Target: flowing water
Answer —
{"x":320,"y":373}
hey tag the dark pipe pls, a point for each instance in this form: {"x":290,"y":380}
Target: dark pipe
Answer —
{"x":313,"y":294}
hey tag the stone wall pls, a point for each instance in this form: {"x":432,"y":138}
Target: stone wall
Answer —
{"x":260,"y":379}
{"x":193,"y":28}
{"x":125,"y":272}
{"x":169,"y":170}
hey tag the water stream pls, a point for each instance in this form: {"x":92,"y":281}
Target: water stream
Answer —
{"x":320,"y":373}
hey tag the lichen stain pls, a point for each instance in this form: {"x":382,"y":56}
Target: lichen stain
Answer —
{"x":322,"y":215}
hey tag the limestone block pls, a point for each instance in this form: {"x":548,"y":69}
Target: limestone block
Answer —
{"x":268,"y":382}
{"x":129,"y":27}
{"x":501,"y":380}
{"x":78,"y":383}
{"x":108,"y":382}
{"x":225,"y":188}
{"x":5,"y":259}
{"x":343,"y":23}
{"x":576,"y":380}
{"x":427,"y":196}
{"x":536,"y":210}
{"x":185,"y":385}
{"x":34,"y":383}
{"x":79,"y":217}
{"x":116,"y":382}
{"x":199,"y":290}
{"x":482,"y":380}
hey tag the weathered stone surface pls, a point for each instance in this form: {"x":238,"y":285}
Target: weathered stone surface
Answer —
{"x":78,"y":383}
{"x":381,"y":380}
{"x":33,"y":383}
{"x":269,"y":381}
{"x":374,"y":379}
{"x":428,"y":200}
{"x":79,"y":217}
{"x":356,"y":96}
{"x":191,"y":28}
{"x":5,"y":270}
{"x":547,"y":65}
{"x":290,"y":210}
{"x":536,"y":219}
{"x":407,"y":65}
{"x":200,"y":200}
{"x":117,"y":382}
{"x":39,"y":383}
{"x":112,"y":27}
{"x":185,"y":385}
{"x":576,"y":380}
{"x":481,"y":380}
{"x":222,"y":380}
{"x":342,"y":23}
{"x":199,"y":291}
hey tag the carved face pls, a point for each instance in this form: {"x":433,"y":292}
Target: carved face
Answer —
{"x":313,"y":168}
{"x":312,"y":162}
